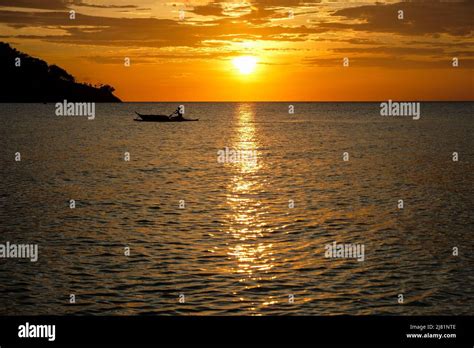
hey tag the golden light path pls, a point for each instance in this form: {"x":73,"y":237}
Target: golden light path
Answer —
{"x":254,"y":257}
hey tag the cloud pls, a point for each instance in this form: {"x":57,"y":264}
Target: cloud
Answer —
{"x":393,"y":62}
{"x":56,"y":4}
{"x":42,"y":4}
{"x":212,"y":9}
{"x":144,"y":58}
{"x":392,"y":50}
{"x":144,"y":32}
{"x":255,"y":12}
{"x":83,"y":4}
{"x":420,"y":18}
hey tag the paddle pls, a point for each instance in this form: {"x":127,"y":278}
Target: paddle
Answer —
{"x":171,"y":114}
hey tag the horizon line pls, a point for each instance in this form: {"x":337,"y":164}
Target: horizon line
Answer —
{"x":301,"y":101}
{"x":250,"y":101}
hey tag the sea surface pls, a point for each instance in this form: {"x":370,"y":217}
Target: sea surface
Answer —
{"x":238,"y":238}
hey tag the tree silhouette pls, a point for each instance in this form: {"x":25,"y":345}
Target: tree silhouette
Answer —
{"x":28,"y":79}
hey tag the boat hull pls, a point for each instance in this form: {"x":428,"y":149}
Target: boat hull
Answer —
{"x":160,"y":118}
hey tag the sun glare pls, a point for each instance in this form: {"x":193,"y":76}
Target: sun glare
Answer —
{"x":245,"y":64}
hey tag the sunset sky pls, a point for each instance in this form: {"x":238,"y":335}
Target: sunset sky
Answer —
{"x":255,"y":50}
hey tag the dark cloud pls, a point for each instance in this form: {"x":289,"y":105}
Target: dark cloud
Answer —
{"x":392,"y":50}
{"x":56,"y":4}
{"x":393,"y":62}
{"x":213,"y":9}
{"x":154,"y":58}
{"x":39,"y":4}
{"x":358,"y":41}
{"x":259,"y":11}
{"x":143,"y":32}
{"x":420,"y":18}
{"x":135,"y":9}
{"x":276,"y":3}
{"x":84,"y":4}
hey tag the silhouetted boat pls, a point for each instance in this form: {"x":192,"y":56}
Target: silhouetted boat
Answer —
{"x":161,"y":118}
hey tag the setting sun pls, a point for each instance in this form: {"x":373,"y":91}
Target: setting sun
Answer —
{"x":245,"y":64}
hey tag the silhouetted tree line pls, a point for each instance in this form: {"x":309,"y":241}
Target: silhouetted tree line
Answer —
{"x":31,"y":79}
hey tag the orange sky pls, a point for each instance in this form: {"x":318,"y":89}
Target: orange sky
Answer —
{"x":298,"y":47}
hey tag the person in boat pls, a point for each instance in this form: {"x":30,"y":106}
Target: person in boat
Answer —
{"x":177,"y":114}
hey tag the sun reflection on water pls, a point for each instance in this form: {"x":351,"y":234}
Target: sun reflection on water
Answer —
{"x":252,"y":254}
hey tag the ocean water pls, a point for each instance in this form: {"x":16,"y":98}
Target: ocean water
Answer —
{"x":237,"y":247}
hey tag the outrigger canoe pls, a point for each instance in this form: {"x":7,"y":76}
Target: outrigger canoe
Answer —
{"x":161,"y":118}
